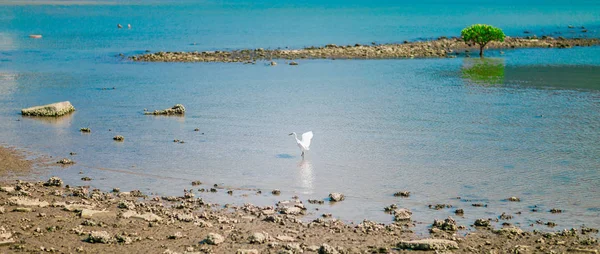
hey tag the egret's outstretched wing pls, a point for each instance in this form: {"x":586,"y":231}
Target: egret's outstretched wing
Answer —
{"x":306,"y":138}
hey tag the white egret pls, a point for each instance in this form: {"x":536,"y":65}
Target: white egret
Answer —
{"x":304,"y":144}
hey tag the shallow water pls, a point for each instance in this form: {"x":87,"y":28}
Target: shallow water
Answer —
{"x":439,"y":128}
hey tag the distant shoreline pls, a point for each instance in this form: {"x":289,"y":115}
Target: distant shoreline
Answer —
{"x":439,"y":48}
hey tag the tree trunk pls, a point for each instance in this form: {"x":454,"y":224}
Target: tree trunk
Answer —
{"x":481,"y":50}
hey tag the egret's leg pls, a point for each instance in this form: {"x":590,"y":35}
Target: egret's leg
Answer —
{"x":302,"y":154}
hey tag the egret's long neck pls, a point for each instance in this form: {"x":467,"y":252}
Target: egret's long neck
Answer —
{"x":296,"y":136}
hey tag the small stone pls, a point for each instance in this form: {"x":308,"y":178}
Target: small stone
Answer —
{"x":258,"y":238}
{"x":118,"y":138}
{"x":2,"y":210}
{"x":87,"y":130}
{"x":196,"y":183}
{"x":482,"y":222}
{"x":285,"y":238}
{"x":276,"y":192}
{"x":459,"y":212}
{"x":514,"y":199}
{"x":214,"y":239}
{"x":176,"y":235}
{"x":404,"y":194}
{"x":65,"y":161}
{"x":85,"y":178}
{"x":293,"y":63}
{"x":555,"y":210}
{"x":273,"y":63}
{"x":336,"y":197}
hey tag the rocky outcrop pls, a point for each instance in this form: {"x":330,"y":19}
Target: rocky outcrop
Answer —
{"x":178,"y":109}
{"x":439,"y":48}
{"x":54,"y":109}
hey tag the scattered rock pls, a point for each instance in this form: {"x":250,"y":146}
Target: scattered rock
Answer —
{"x":176,"y":235}
{"x":336,"y":197}
{"x":196,"y":183}
{"x":428,"y":244}
{"x":276,"y":192}
{"x":479,"y":205}
{"x":514,"y":199}
{"x":404,"y":194}
{"x":402,"y":214}
{"x":273,"y":63}
{"x":509,"y":231}
{"x":555,"y":210}
{"x":293,"y":63}
{"x":99,"y":237}
{"x":214,"y":239}
{"x":315,"y":201}
{"x":459,"y":212}
{"x":85,"y":178}
{"x":2,"y":210}
{"x":482,"y":222}
{"x":54,"y":181}
{"x":258,"y":238}
{"x":65,"y":161}
{"x":505,"y":216}
{"x":118,"y":138}
{"x":87,"y":130}
{"x":440,"y":206}
{"x":54,"y":109}
{"x":326,"y":249}
{"x":178,"y":109}
{"x":448,"y":224}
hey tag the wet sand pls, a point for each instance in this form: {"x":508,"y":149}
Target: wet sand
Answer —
{"x":51,"y":216}
{"x":439,"y":48}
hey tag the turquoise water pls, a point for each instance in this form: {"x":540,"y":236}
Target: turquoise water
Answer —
{"x":423,"y":125}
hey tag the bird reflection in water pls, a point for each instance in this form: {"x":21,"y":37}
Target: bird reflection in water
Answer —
{"x":305,"y":172}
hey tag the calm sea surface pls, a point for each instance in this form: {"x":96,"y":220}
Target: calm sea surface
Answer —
{"x":523,"y":123}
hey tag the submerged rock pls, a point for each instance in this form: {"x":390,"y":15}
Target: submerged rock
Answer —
{"x":402,"y":214}
{"x":118,"y":138}
{"x":448,"y":224}
{"x":54,"y":109}
{"x":178,"y":109}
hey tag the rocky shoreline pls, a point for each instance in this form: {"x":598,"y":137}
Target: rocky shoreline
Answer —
{"x":440,"y":48}
{"x":51,"y":217}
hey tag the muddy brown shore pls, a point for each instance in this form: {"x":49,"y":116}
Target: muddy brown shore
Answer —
{"x":53,"y":217}
{"x":439,"y":48}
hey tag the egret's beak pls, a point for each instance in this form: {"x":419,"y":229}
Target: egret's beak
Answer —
{"x":290,"y":134}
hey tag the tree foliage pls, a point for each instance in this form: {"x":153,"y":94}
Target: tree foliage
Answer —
{"x":482,"y":34}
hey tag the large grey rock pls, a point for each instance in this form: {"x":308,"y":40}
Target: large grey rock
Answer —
{"x":54,"y":109}
{"x":258,"y":238}
{"x":178,"y":109}
{"x":335,"y":197}
{"x":428,"y":244}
